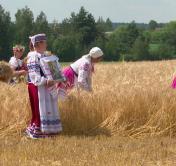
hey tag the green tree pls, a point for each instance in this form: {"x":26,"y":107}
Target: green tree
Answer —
{"x":109,"y":26}
{"x":55,"y":29}
{"x":104,"y":26}
{"x":41,"y":24}
{"x":162,"y":51}
{"x":165,"y":38}
{"x":82,"y":27}
{"x":65,"y":48}
{"x":153,"y":25}
{"x":125,"y":36}
{"x":24,"y":26}
{"x":112,"y":51}
{"x":84,"y":23}
{"x":169,"y":34}
{"x":101,"y":25}
{"x":140,"y":49}
{"x":121,"y":42}
{"x":6,"y":34}
{"x":66,"y":26}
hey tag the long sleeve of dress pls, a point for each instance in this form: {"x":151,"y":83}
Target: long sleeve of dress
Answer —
{"x":84,"y":77}
{"x":34,"y":71}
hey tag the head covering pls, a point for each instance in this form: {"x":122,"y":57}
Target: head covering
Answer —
{"x":18,"y":48}
{"x":37,"y":38}
{"x":96,"y":52}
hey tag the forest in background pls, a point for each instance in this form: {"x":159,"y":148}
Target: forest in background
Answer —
{"x":74,"y":36}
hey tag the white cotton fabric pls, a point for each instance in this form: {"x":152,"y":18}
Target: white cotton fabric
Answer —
{"x":33,"y":64}
{"x":49,"y":115}
{"x":83,"y":67}
{"x":15,"y":63}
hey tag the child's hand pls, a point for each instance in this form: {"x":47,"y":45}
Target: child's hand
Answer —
{"x":23,"y":72}
{"x":20,"y":73}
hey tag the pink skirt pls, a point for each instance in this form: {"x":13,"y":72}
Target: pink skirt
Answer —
{"x":62,"y":88}
{"x":174,"y":83}
{"x":70,"y":77}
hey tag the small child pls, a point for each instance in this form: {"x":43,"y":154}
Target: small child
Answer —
{"x":45,"y":120}
{"x":16,"y":63}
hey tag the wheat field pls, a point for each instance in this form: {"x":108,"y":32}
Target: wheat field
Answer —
{"x":129,"y":119}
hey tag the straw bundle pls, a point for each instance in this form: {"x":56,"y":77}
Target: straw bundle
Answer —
{"x":5,"y":71}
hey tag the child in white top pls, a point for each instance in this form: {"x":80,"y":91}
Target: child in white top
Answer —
{"x":16,"y":63}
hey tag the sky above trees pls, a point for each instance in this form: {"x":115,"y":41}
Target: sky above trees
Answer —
{"x":116,"y":10}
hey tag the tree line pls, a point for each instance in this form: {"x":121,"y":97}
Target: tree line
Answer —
{"x":74,"y":36}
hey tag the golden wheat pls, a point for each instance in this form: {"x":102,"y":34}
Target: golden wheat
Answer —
{"x":129,"y":99}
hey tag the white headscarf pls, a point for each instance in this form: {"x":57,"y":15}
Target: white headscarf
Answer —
{"x":95,"y":52}
{"x":37,"y":38}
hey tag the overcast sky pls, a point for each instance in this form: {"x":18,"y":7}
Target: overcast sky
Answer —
{"x":116,"y":10}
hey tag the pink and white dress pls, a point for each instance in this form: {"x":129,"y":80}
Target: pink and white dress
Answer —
{"x":79,"y":74}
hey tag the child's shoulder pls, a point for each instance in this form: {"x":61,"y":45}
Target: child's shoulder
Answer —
{"x":12,"y":60}
{"x":33,"y":55}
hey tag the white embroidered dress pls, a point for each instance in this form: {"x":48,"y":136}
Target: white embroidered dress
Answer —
{"x":83,"y":68}
{"x":48,"y":106}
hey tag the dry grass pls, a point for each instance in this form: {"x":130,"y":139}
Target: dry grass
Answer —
{"x":5,"y":71}
{"x":130,"y":100}
{"x":87,"y":151}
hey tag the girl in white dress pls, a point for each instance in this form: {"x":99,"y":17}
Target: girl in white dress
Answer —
{"x":16,"y":63}
{"x":79,"y":73}
{"x":45,"y":116}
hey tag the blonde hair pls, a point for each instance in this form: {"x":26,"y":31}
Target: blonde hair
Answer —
{"x":18,"y":47}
